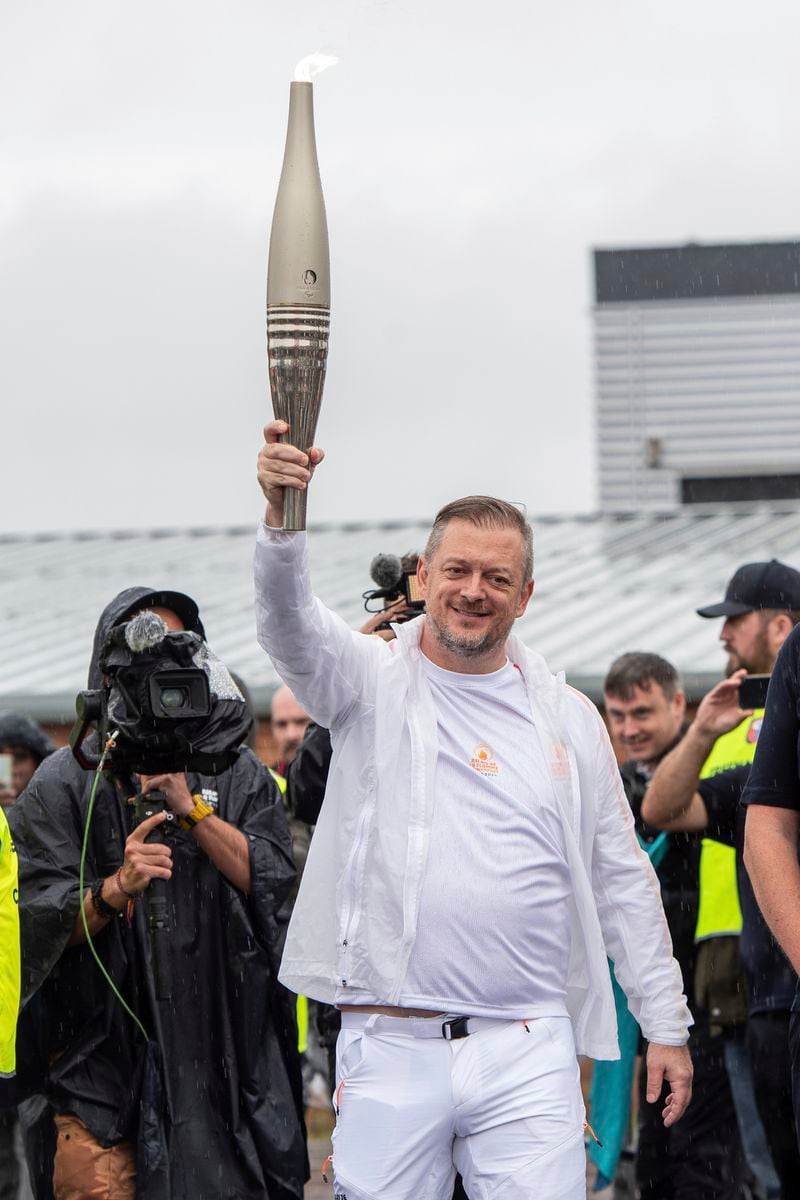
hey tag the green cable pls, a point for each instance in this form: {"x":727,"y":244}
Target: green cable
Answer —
{"x":84,"y":848}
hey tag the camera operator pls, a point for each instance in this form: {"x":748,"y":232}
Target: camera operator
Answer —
{"x":208,"y":1102}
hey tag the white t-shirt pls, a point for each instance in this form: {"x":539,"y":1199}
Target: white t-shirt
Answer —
{"x":493,"y":926}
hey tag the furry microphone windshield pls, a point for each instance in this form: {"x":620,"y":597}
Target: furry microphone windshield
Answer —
{"x":386,"y":570}
{"x":144,"y":631}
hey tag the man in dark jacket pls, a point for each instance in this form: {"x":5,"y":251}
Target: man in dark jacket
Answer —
{"x":24,"y":744}
{"x":196,"y":1094}
{"x":700,"y":1158}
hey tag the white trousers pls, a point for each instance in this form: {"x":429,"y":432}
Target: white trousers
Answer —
{"x":503,"y":1106}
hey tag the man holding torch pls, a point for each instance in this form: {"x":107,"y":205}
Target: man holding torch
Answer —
{"x":474,"y":864}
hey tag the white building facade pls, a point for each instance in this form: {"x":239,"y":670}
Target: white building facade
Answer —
{"x":697,"y":354}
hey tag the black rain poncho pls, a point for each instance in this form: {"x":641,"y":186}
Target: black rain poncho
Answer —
{"x":213,"y":1101}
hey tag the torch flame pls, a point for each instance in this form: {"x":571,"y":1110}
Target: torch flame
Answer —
{"x":312,"y":65}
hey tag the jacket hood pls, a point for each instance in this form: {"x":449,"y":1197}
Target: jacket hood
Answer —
{"x":17,"y":729}
{"x":122,"y":607}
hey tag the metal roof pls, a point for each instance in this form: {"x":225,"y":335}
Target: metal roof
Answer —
{"x":605,"y":584}
{"x":697,"y":270}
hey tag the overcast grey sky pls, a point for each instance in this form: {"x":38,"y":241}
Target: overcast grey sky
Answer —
{"x":471,"y":156}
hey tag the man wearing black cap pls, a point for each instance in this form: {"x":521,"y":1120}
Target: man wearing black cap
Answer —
{"x":757,"y":604}
{"x":192,"y":1091}
{"x":697,"y":789}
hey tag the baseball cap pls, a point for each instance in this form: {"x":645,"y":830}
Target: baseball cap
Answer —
{"x":758,"y":585}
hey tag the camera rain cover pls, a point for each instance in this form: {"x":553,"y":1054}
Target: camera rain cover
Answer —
{"x":174,"y":704}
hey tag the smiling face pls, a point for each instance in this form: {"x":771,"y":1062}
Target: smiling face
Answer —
{"x":474,"y":589}
{"x":645,"y":722}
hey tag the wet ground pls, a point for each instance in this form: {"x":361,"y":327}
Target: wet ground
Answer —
{"x":319,"y":1126}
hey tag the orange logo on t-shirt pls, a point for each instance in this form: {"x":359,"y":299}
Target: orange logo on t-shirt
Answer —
{"x":483,"y":760}
{"x":559,"y":761}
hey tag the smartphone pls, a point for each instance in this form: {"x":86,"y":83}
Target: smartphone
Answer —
{"x":6,"y":767}
{"x":753,"y":691}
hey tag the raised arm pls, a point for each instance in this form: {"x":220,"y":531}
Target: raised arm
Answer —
{"x":330,"y":668}
{"x":672,"y":800}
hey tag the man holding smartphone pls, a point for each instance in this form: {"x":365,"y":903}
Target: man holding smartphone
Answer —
{"x":697,"y":788}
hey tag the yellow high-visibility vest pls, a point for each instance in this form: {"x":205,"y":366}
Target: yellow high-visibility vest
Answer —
{"x":279,"y":779}
{"x":9,"y":950}
{"x":718,"y":910}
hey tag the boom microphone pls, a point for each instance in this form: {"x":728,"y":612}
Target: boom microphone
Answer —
{"x":145,"y":630}
{"x":386,"y":570}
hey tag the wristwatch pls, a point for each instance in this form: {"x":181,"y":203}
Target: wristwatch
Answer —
{"x":101,"y":906}
{"x":197,"y":814}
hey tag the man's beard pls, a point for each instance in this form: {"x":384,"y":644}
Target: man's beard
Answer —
{"x":466,"y":647}
{"x":758,"y":662}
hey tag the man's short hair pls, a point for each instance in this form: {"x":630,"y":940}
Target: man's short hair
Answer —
{"x":769,"y":614}
{"x":639,"y":669}
{"x":486,"y":512}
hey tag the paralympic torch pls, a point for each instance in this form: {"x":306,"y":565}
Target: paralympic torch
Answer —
{"x":298,"y":282}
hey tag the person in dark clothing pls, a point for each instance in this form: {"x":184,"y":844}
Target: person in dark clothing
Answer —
{"x":680,"y":800}
{"x":771,"y":801}
{"x":207,"y":1101}
{"x":700,"y":1158}
{"x":26,"y":744}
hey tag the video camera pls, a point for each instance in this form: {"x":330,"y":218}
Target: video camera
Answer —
{"x":172,"y":703}
{"x":397,"y":580}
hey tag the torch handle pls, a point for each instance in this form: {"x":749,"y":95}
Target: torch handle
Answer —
{"x":297,"y":349}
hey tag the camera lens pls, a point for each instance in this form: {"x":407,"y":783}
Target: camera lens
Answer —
{"x":173,"y":697}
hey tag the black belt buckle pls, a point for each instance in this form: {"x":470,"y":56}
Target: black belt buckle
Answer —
{"x":455,"y":1028}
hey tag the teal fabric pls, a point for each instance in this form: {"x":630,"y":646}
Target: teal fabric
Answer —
{"x":612,"y":1082}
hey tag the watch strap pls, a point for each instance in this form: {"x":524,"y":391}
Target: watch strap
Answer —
{"x":197,"y":814}
{"x":101,"y":906}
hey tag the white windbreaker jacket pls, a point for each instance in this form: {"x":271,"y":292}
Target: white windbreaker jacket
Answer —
{"x":355,"y":917}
